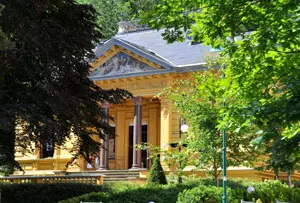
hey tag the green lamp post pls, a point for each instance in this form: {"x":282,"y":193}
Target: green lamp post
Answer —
{"x":224,"y":161}
{"x":224,"y":139}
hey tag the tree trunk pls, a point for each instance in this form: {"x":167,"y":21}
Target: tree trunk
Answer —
{"x":216,"y":177}
{"x":276,"y":173}
{"x":289,"y":178}
{"x":7,"y":149}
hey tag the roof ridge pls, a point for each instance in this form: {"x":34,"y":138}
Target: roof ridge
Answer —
{"x":136,"y":32}
{"x":148,"y":51}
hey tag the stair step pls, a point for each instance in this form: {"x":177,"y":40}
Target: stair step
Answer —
{"x":125,"y":178}
{"x":114,"y":175}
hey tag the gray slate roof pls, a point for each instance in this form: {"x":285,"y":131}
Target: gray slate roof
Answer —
{"x":175,"y":57}
{"x":177,"y":53}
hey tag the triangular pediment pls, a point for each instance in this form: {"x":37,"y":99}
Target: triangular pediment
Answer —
{"x":122,"y":63}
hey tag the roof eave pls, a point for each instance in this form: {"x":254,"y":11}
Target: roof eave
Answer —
{"x":115,"y":41}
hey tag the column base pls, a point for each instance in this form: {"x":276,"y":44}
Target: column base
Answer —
{"x":135,"y":167}
{"x":102,"y":169}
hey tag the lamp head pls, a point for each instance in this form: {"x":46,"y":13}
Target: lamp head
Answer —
{"x":184,"y":128}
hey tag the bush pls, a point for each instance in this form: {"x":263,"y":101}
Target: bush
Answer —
{"x":46,"y":193}
{"x":157,"y":175}
{"x":236,"y":195}
{"x":201,"y":194}
{"x":296,"y":195}
{"x":269,"y":191}
{"x":296,"y":183}
{"x":132,"y":193}
{"x":126,"y":193}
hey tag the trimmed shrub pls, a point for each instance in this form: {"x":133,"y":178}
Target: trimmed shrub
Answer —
{"x":125,"y":193}
{"x":157,"y":175}
{"x":46,"y":193}
{"x":269,"y":191}
{"x":236,"y":195}
{"x":201,"y":194}
{"x":296,"y":194}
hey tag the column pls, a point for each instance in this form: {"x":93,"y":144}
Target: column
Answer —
{"x":104,"y":142}
{"x":165,"y":126}
{"x":137,"y":132}
{"x":57,"y":157}
{"x":165,"y":122}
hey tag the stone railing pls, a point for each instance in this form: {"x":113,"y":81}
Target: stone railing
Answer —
{"x":78,"y":178}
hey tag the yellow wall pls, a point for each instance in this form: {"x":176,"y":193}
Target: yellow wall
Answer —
{"x":161,"y":118}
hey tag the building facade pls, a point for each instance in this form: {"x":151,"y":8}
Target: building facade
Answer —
{"x":144,"y":64}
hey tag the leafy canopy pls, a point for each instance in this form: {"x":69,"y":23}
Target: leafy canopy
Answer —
{"x":261,"y":45}
{"x":200,"y":101}
{"x":45,"y":89}
{"x":109,"y":14}
{"x":261,"y":41}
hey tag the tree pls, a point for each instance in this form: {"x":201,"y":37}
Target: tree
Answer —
{"x":45,"y":89}
{"x":4,"y":42}
{"x":109,"y":14}
{"x":200,"y":101}
{"x":283,"y":154}
{"x":259,"y":38}
{"x":179,"y":157}
{"x":260,"y":41}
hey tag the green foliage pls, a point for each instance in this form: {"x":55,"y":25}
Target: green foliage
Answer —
{"x":48,"y":193}
{"x":157,"y":175}
{"x":260,"y":42}
{"x":201,"y":193}
{"x":200,"y":101}
{"x":4,"y":42}
{"x":268,"y":191}
{"x":50,"y":94}
{"x":109,"y":14}
{"x":179,"y":157}
{"x":7,"y":158}
{"x":284,"y":154}
{"x":132,"y":193}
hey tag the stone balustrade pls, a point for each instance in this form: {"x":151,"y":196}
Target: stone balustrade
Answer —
{"x":75,"y":178}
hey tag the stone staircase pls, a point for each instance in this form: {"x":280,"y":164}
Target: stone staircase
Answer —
{"x":116,"y":175}
{"x":120,"y":175}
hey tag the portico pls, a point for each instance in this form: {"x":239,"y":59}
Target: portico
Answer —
{"x":142,"y":119}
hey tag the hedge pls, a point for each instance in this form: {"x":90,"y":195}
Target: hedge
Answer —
{"x":132,"y":193}
{"x":266,"y":192}
{"x":46,"y":193}
{"x":126,"y":193}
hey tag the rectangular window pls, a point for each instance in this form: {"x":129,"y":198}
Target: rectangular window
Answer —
{"x":112,"y":144}
{"x":47,"y":149}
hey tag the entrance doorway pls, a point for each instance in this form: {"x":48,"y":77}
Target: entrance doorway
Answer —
{"x":144,"y":163}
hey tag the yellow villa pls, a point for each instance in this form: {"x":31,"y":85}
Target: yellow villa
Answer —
{"x":141,"y":62}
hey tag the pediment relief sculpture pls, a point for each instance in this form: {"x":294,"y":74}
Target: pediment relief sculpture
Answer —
{"x":121,"y":63}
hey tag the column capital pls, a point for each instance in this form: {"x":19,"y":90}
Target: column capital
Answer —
{"x":137,"y":100}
